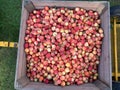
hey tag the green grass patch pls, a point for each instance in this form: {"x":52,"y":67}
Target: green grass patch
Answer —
{"x":10,"y":12}
{"x":7,"y":68}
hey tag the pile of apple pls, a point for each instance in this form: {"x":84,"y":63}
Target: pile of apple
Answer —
{"x":63,"y":46}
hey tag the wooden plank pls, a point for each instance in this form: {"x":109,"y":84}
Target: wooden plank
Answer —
{"x":101,"y":8}
{"x":113,"y":74}
{"x":29,"y":5}
{"x":42,"y":86}
{"x":83,"y":4}
{"x":23,"y":81}
{"x":13,"y":44}
{"x":105,"y":72}
{"x":97,"y":6}
{"x":101,"y":85}
{"x":38,"y":86}
{"x":8,"y":44}
{"x":3,"y":44}
{"x":21,"y":61}
{"x":115,"y":49}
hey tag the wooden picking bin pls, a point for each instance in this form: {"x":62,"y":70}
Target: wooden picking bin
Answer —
{"x":104,"y":81}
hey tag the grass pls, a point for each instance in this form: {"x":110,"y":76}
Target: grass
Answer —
{"x":10,"y":12}
{"x":7,"y":68}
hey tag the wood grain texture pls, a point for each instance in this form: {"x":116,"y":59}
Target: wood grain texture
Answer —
{"x":29,"y":5}
{"x":42,"y":86}
{"x":21,"y":61}
{"x":84,"y":4}
{"x":101,"y":85}
{"x":105,"y":59}
{"x":23,"y":81}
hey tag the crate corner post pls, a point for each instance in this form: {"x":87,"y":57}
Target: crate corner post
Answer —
{"x":28,"y":4}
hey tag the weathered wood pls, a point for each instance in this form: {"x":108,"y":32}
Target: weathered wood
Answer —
{"x":101,"y":85}
{"x":23,"y":81}
{"x":83,"y":4}
{"x":21,"y":61}
{"x":42,"y":86}
{"x":29,"y":5}
{"x":105,"y":59}
{"x":100,"y":8}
